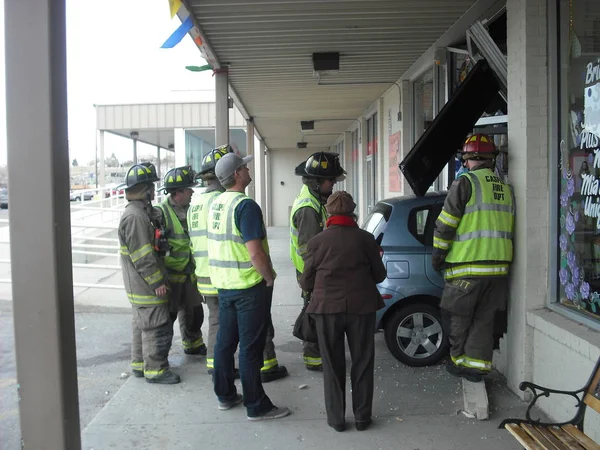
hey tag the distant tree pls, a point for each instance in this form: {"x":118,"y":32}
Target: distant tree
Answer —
{"x":75,"y":163}
{"x":112,"y":161}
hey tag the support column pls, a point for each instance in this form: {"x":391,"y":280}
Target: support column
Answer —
{"x":250,"y":150}
{"x":101,"y":161}
{"x":222,"y":106}
{"x":407,"y":131}
{"x":349,"y":182}
{"x":262,"y":197}
{"x":158,"y":161}
{"x":362,"y":153}
{"x":135,"y":157}
{"x":268,"y":187}
{"x":179,"y":141}
{"x":40,"y":223}
{"x":528,"y":174}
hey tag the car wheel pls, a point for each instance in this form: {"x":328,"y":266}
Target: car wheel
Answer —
{"x":415,"y":336}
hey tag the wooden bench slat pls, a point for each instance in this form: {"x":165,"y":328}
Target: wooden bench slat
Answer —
{"x":565,"y":437}
{"x":542,"y":437}
{"x":593,"y":387}
{"x":524,"y":439}
{"x":592,"y":402}
{"x":548,"y":435}
{"x":587,"y":443}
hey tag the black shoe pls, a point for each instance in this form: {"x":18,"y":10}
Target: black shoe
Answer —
{"x":363,"y":424}
{"x":236,"y":373}
{"x":453,"y":369}
{"x":312,"y":368}
{"x":167,"y":377}
{"x":472,"y":375}
{"x":137,"y":373}
{"x":226,"y":406}
{"x":196,"y":351}
{"x":273,"y":374}
{"x":338,"y":428}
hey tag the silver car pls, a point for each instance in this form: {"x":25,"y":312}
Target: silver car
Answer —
{"x":411,"y":319}
{"x":3,"y":198}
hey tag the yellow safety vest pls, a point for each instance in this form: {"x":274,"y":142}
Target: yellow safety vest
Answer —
{"x":305,"y":199}
{"x":179,"y":241}
{"x":197,"y":218}
{"x":483,"y":244}
{"x":229,"y":263}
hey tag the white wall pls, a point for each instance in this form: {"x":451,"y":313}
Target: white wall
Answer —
{"x":282,"y":165}
{"x":391,"y":126}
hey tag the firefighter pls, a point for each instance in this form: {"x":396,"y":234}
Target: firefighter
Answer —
{"x":197,"y":216}
{"x":185,"y":302}
{"x":473,"y":245}
{"x":145,"y":279}
{"x":319,"y":174}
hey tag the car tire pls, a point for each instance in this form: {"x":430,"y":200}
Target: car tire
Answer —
{"x":415,"y":336}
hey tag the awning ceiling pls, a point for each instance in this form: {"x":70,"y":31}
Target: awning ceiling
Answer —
{"x":268,"y":46}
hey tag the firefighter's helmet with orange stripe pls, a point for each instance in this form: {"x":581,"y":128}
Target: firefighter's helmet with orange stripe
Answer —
{"x":479,"y":146}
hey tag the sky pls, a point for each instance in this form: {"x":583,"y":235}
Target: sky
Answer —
{"x":113,"y":57}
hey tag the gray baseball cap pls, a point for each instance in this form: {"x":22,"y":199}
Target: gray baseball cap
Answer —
{"x":229,"y":163}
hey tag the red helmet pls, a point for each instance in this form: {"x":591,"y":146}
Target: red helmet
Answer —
{"x":479,"y":146}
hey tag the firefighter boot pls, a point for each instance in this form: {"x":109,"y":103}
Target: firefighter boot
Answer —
{"x":274,"y":373}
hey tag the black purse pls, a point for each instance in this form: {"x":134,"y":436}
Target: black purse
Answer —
{"x":304,"y":327}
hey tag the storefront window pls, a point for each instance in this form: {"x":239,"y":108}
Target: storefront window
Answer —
{"x":579,"y":160}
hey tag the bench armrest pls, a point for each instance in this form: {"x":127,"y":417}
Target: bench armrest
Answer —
{"x":541,"y":391}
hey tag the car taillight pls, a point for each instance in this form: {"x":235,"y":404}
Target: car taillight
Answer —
{"x":381,"y":252}
{"x":386,"y":296}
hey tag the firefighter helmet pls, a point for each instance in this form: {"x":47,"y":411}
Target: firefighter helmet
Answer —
{"x":479,"y":146}
{"x":180,"y":178}
{"x":322,"y":165}
{"x":210,"y":159}
{"x":140,"y":173}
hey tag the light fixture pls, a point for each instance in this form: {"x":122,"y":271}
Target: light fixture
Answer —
{"x":307,"y":125}
{"x":301,"y":144}
{"x":134,"y":135}
{"x":326,"y":61}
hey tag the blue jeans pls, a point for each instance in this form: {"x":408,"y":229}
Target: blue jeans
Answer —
{"x":244,"y":316}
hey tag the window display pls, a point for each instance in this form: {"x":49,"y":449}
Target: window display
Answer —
{"x":579,"y":160}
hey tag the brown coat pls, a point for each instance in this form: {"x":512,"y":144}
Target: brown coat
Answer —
{"x":342,"y":268}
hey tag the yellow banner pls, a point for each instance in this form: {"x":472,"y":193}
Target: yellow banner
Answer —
{"x":174,"y":6}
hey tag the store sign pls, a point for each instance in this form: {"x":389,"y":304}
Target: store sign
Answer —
{"x":590,"y":144}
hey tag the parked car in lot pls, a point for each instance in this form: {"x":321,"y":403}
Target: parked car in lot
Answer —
{"x":77,"y":196}
{"x":3,"y":198}
{"x":411,"y":319}
{"x":114,"y":191}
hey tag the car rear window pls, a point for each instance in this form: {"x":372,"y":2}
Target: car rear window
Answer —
{"x":376,"y":222}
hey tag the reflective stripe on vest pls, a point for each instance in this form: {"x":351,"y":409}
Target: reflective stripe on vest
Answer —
{"x":197,"y":217}
{"x":179,"y":241}
{"x":229,"y":263}
{"x":485,"y":230}
{"x":305,"y":199}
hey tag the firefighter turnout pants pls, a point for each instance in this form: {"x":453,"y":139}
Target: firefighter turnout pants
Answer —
{"x":185,"y":303}
{"x":151,"y":341}
{"x":469,"y":307}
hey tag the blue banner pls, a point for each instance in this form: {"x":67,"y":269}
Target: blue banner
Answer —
{"x":179,"y":33}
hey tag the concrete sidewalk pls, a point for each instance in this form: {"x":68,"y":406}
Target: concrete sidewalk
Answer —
{"x":414,"y":408}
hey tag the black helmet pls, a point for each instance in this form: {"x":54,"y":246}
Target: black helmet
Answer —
{"x":140,"y":173}
{"x":210,"y":159}
{"x":179,"y":178}
{"x":322,"y":165}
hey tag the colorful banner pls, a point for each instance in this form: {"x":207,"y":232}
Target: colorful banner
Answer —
{"x":179,"y":33}
{"x":394,"y":160}
{"x":174,"y":6}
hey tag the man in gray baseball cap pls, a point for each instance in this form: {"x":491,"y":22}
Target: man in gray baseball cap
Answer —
{"x":228,"y":165}
{"x":241,"y":269}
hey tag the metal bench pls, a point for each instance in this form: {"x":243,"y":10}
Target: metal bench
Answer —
{"x":537,"y":435}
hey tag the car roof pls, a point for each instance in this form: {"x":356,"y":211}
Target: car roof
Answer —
{"x":410,"y":201}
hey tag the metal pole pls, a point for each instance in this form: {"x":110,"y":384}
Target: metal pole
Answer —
{"x":250,"y":150}
{"x":135,"y":159}
{"x":158,"y":161}
{"x":101,"y":159}
{"x":222,"y":106}
{"x":40,"y":224}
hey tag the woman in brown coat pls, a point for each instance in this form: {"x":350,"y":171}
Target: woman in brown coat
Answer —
{"x":342,"y":268}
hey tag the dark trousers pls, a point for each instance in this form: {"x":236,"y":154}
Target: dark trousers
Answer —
{"x":269,"y":355}
{"x":469,"y":308}
{"x":310,"y":350}
{"x":359,"y":329}
{"x":243,"y":318}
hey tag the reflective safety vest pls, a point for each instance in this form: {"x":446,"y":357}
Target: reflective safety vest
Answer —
{"x":179,"y":241}
{"x":229,"y":263}
{"x":483,"y":243}
{"x":197,"y":218}
{"x":305,"y":199}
